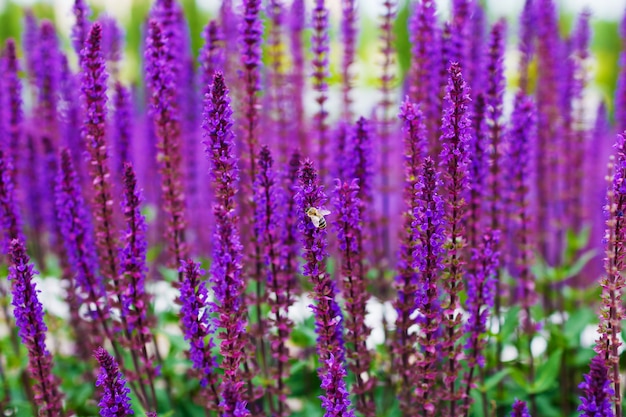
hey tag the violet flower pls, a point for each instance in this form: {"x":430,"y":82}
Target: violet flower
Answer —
{"x":522,"y":136}
{"x":297,"y":21}
{"x":134,"y":300}
{"x":167,"y":125}
{"x":328,"y":315}
{"x":197,"y":327}
{"x":361,"y":167}
{"x":94,"y":87}
{"x":349,"y":233}
{"x":425,"y":36}
{"x":620,"y":91}
{"x":520,"y":409}
{"x":211,"y":56}
{"x":122,"y":126}
{"x":277,"y":84}
{"x":81,"y":26}
{"x":47,"y":78}
{"x":269,"y":219}
{"x":479,"y":166}
{"x":75,"y":226}
{"x":597,"y":392}
{"x":30,"y":41}
{"x":406,"y":281}
{"x":320,"y":49}
{"x":460,"y":34}
{"x":72,"y":117}
{"x":10,"y":218}
{"x":480,"y":300}
{"x":336,"y":400}
{"x":527,"y":36}
{"x":29,"y":315}
{"x":427,"y":256}
{"x":226,"y":269}
{"x":14,"y":117}
{"x":290,"y":228}
{"x":114,"y":401}
{"x":349,"y":16}
{"x":454,"y":163}
{"x":612,"y":284}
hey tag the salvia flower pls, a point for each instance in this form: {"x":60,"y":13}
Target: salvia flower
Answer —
{"x":81,"y":25}
{"x":526,"y":44}
{"x":349,"y":17}
{"x":454,"y":163}
{"x":613,"y":284}
{"x":29,"y":316}
{"x":269,"y":218}
{"x":122,"y":126}
{"x":74,"y":224}
{"x":522,"y":136}
{"x":134,"y":298}
{"x":480,"y":299}
{"x":320,"y":47}
{"x":47,"y":77}
{"x":297,"y":77}
{"x":14,"y":117}
{"x":427,"y":258}
{"x":328,"y":315}
{"x":197,"y":327}
{"x":114,"y":401}
{"x":10,"y":218}
{"x":597,"y":392}
{"x":211,"y":56}
{"x":353,"y":286}
{"x":620,"y":92}
{"x":226,"y":269}
{"x":94,"y":87}
{"x":406,"y":281}
{"x":520,"y":409}
{"x":167,"y":125}
{"x":336,"y":400}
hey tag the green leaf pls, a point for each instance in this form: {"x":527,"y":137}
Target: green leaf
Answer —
{"x":494,"y":380}
{"x":547,"y":373}
{"x":510,"y":324}
{"x":520,"y":378}
{"x":575,"y":325}
{"x":580,"y":263}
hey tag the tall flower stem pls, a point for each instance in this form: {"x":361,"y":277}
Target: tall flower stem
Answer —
{"x":29,"y":315}
{"x":454,"y":162}
{"x":320,"y":49}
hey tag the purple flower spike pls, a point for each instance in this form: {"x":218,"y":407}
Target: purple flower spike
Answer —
{"x":336,"y":400}
{"x":269,"y":219}
{"x":328,"y":316}
{"x":94,"y":87}
{"x":425,"y":38}
{"x":81,"y":26}
{"x":613,"y":283}
{"x":350,"y":236}
{"x":320,"y":46}
{"x":79,"y":245}
{"x":349,"y":36}
{"x":14,"y":117}
{"x":135,"y":301}
{"x":10,"y":218}
{"x":167,"y":125}
{"x":620,"y":92}
{"x":454,"y":163}
{"x":250,"y":38}
{"x":428,"y":258}
{"x":211,"y":57}
{"x":115,"y":401}
{"x":30,"y":41}
{"x":597,"y":392}
{"x":480,"y":299}
{"x":29,"y":316}
{"x":520,"y":409}
{"x":196,"y":327}
{"x":122,"y":126}
{"x":226,"y":279}
{"x":47,"y":77}
{"x":522,"y":138}
{"x":297,"y":21}
{"x":526,"y":45}
{"x":415,"y":148}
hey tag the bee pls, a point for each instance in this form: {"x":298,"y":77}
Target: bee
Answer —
{"x":317,"y":217}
